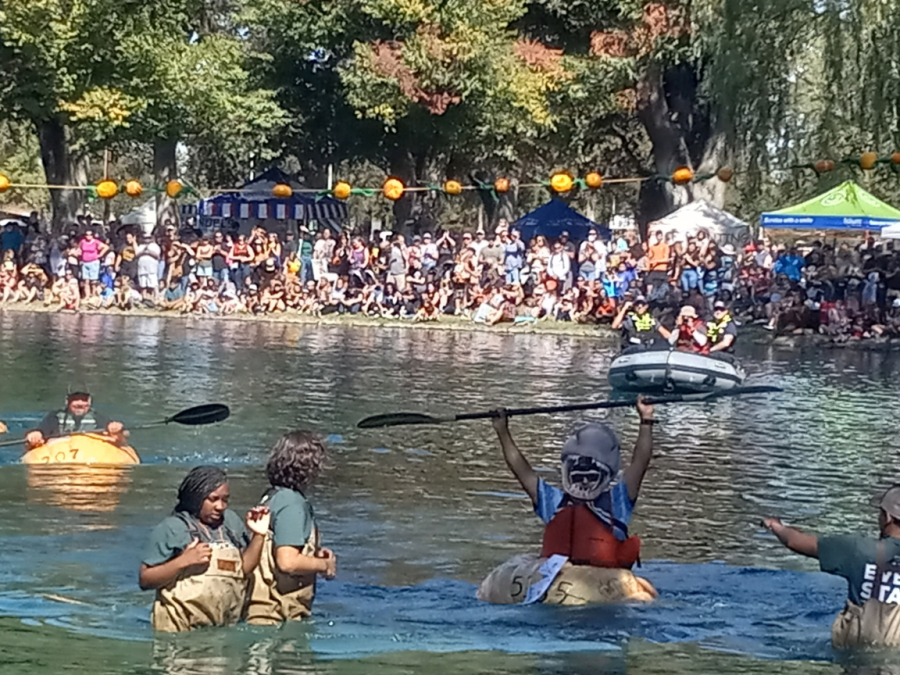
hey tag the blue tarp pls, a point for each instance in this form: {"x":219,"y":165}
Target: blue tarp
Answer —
{"x":554,"y":218}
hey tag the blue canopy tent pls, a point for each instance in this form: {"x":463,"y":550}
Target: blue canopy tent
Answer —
{"x":254,"y":201}
{"x":554,"y":218}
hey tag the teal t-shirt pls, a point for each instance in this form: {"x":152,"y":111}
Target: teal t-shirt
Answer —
{"x":292,"y":517}
{"x":856,"y":558}
{"x":172,"y":536}
{"x":306,"y":248}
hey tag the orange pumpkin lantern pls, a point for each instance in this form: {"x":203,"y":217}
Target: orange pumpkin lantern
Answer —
{"x":867,"y":160}
{"x":393,"y":189}
{"x":342,"y":190}
{"x":107,"y":189}
{"x":561,"y":182}
{"x":895,"y":158}
{"x":682,"y":175}
{"x":501,"y":186}
{"x":593,"y":180}
{"x":453,"y":187}
{"x":282,"y":191}
{"x":824,"y":166}
{"x":725,"y":174}
{"x":133,"y":188}
{"x":174,"y":188}
{"x":4,"y":182}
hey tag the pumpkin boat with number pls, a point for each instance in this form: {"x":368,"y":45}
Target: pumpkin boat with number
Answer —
{"x":531,"y":578}
{"x":81,"y":449}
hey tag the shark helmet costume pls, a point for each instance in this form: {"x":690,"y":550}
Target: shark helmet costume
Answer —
{"x":590,"y":526}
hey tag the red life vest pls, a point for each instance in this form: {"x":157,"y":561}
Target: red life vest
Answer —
{"x":577,"y":533}
{"x":686,"y":341}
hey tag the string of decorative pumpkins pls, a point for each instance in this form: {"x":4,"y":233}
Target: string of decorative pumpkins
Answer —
{"x":393,"y":188}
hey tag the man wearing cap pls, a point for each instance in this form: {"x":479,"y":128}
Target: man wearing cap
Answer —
{"x":76,"y":417}
{"x":690,"y":332}
{"x":871,"y":617}
{"x":638,"y":326}
{"x":721,"y":331}
{"x":429,"y":254}
{"x":587,"y":520}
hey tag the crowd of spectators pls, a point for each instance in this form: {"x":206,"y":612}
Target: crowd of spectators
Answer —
{"x":844,"y":290}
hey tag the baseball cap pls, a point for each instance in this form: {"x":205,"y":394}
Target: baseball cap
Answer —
{"x":598,"y":442}
{"x":77,"y":389}
{"x":890,"y":502}
{"x":720,"y":305}
{"x":640,"y":300}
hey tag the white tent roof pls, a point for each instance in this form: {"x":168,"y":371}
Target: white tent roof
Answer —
{"x":143,"y":216}
{"x":689,"y":219}
{"x":891,"y":232}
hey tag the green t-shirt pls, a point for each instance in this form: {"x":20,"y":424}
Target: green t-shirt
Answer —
{"x":172,"y":536}
{"x":306,"y":247}
{"x":856,"y":557}
{"x":292,"y":517}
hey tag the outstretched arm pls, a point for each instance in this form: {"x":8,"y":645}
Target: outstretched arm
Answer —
{"x":794,"y":539}
{"x":515,"y":460}
{"x":643,"y":451}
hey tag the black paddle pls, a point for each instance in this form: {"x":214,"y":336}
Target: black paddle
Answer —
{"x":199,"y":415}
{"x":407,"y":419}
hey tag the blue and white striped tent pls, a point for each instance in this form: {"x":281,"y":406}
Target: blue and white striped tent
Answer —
{"x":254,"y":201}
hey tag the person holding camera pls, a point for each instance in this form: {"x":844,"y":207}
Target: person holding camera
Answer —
{"x":690,"y":334}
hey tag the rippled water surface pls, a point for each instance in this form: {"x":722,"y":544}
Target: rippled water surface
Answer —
{"x":419,"y":515}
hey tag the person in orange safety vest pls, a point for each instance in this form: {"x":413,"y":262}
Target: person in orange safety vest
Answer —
{"x":587,"y":520}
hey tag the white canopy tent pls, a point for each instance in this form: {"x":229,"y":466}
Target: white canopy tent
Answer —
{"x":144,"y":216}
{"x":891,"y":231}
{"x":723,"y":227}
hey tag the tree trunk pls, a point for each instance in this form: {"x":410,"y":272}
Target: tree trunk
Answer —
{"x":61,"y":167}
{"x":408,"y":207}
{"x":682,"y":131}
{"x":165,"y":168}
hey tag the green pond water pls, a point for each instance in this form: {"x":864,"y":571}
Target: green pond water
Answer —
{"x":418,"y":516}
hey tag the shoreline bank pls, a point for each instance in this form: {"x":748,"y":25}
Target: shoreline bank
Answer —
{"x":603,"y":333}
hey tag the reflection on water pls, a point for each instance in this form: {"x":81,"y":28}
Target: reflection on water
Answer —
{"x":419,"y":515}
{"x":77,"y":488}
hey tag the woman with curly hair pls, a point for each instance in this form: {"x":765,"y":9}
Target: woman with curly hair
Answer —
{"x":200,"y":558}
{"x":284,"y":583}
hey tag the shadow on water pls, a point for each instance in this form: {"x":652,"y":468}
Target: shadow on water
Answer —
{"x":418,"y":516}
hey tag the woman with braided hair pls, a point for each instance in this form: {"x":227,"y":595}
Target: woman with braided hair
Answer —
{"x":199,"y":559}
{"x":284,"y":582}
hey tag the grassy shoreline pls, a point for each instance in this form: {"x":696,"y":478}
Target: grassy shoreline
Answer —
{"x":451,"y":323}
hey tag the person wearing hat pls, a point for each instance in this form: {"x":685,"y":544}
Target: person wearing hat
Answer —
{"x":871,"y":566}
{"x":638,"y":326}
{"x":721,"y":331}
{"x":690,"y":332}
{"x":587,"y":520}
{"x":76,"y":417}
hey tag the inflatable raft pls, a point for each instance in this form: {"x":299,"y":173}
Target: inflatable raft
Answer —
{"x":658,"y":371}
{"x":509,"y":584}
{"x":81,"y":449}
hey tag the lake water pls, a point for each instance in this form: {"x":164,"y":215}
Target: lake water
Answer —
{"x":418,"y":516}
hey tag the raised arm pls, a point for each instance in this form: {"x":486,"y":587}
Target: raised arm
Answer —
{"x":515,"y":460}
{"x":620,"y":317}
{"x":643,"y":451}
{"x":792,"y":538}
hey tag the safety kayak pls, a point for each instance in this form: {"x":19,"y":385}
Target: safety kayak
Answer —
{"x":509,"y":583}
{"x":81,"y":449}
{"x":657,"y":371}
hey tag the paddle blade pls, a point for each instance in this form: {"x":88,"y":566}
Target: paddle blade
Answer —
{"x":201,"y":414}
{"x":397,"y":420}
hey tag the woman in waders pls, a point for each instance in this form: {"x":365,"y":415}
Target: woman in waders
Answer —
{"x":284,"y":583}
{"x":199,"y":559}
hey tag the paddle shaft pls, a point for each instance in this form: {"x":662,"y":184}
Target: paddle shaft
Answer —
{"x":598,"y":405}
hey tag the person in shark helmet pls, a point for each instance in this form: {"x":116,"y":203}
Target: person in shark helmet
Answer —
{"x":585,"y":522}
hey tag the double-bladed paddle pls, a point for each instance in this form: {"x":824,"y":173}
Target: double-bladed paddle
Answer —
{"x":408,"y":418}
{"x":209,"y":413}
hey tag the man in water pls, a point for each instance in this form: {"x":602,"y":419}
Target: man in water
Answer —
{"x":871,"y":567}
{"x":638,"y":326}
{"x":76,"y":417}
{"x":587,"y":520}
{"x":721,"y":331}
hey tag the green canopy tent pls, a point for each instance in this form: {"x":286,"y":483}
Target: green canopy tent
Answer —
{"x":846,"y":207}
